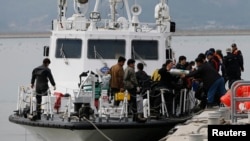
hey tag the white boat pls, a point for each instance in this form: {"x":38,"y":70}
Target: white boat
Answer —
{"x":87,"y":43}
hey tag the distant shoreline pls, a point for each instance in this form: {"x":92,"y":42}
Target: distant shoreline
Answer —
{"x":211,"y":32}
{"x":26,"y":35}
{"x":177,"y":33}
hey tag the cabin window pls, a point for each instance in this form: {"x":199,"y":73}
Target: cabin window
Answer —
{"x":145,"y":49}
{"x":105,"y":49}
{"x":68,"y":48}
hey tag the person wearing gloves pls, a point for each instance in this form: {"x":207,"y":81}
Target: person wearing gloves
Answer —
{"x":213,"y":82}
{"x":39,"y":79}
{"x":132,"y":86}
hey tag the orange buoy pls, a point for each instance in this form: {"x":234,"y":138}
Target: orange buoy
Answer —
{"x":226,"y":98}
{"x":242,"y":91}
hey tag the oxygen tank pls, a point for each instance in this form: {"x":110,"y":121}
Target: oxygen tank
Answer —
{"x":178,"y":71}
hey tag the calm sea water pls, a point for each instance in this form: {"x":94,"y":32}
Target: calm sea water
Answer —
{"x":19,"y":56}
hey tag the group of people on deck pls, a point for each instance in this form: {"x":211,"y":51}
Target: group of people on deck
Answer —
{"x":207,"y":76}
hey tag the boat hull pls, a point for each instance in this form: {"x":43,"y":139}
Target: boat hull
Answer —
{"x":47,"y":130}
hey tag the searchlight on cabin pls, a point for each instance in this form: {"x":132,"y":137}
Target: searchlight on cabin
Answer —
{"x":82,"y":1}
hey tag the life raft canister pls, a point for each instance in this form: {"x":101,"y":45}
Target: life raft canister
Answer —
{"x":58,"y":101}
{"x":243,"y":91}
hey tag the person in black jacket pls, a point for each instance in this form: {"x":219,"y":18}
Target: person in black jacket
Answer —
{"x":182,"y":63}
{"x":144,"y":80}
{"x":239,"y":55}
{"x":232,"y":67}
{"x":169,"y":82}
{"x":213,"y":82}
{"x":40,"y":77}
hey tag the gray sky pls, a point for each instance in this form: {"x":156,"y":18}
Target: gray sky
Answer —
{"x":36,"y":15}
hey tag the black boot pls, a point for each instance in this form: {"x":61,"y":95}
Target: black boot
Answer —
{"x":38,"y":116}
{"x":139,"y":118}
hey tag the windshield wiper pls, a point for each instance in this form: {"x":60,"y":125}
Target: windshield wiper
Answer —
{"x":98,"y":55}
{"x":135,"y":54}
{"x":63,"y":55}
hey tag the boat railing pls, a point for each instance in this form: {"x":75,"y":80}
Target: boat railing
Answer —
{"x":108,"y":110}
{"x":181,"y":104}
{"x":46,"y":105}
{"x":67,"y":110}
{"x":104,"y":24}
{"x":26,"y":104}
{"x":164,"y":109}
{"x":25,"y":98}
{"x":236,"y":99}
{"x":184,"y":97}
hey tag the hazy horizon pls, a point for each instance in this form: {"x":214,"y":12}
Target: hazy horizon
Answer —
{"x":36,"y":15}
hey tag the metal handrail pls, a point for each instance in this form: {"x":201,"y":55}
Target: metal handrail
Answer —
{"x":235,"y":99}
{"x":84,"y":25}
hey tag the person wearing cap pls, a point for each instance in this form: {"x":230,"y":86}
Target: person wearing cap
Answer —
{"x":232,"y":67}
{"x":212,"y":61}
{"x":238,"y":53}
{"x":213,"y":82}
{"x":39,"y":79}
